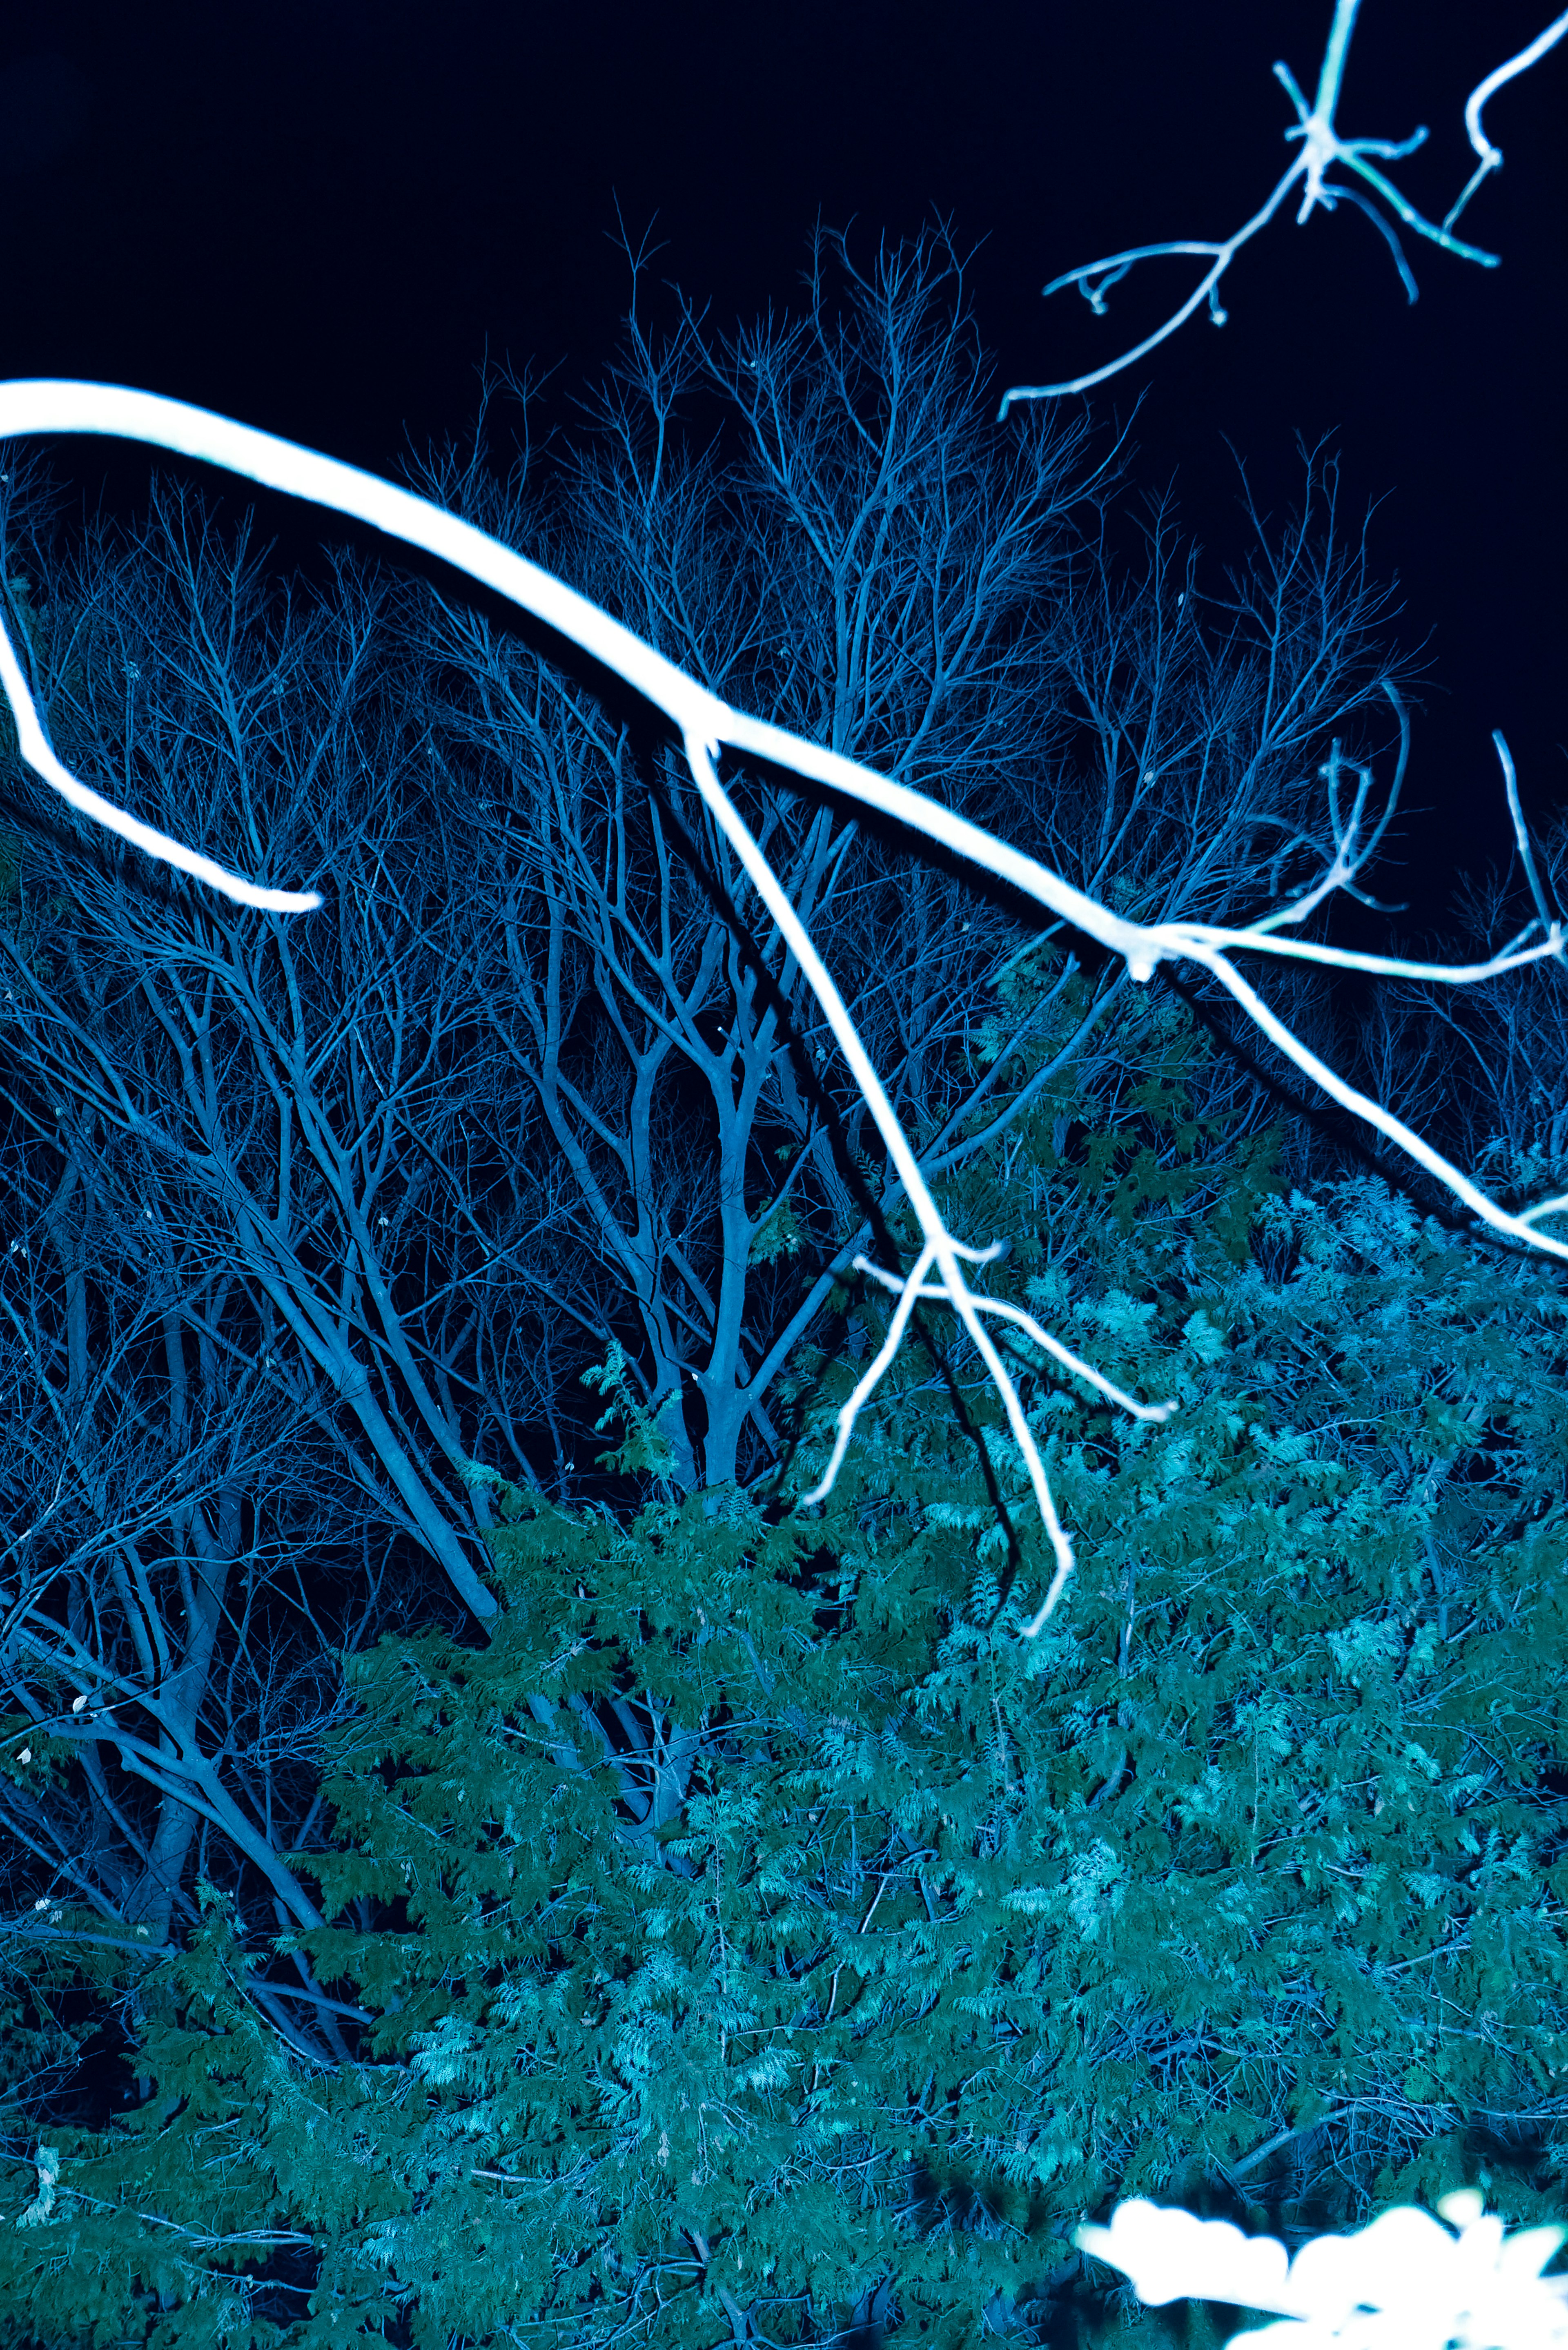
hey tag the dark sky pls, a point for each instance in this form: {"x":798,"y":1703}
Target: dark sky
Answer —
{"x":316,"y":217}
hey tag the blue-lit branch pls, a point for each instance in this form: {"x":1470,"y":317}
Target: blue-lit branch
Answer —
{"x":707,"y":726}
{"x":1321,"y":149}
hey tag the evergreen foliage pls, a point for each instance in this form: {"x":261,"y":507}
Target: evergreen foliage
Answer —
{"x":756,"y":1938}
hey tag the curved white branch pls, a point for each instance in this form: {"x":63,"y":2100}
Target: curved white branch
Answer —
{"x":38,"y":752}
{"x":706,"y":725}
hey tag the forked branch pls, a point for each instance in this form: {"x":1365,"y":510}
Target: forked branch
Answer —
{"x":706,"y":725}
{"x":1321,"y":148}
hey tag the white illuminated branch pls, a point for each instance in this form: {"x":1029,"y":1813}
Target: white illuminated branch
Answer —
{"x":707,"y":725}
{"x":39,"y":754}
{"x":1321,"y":148}
{"x":1402,"y":2284}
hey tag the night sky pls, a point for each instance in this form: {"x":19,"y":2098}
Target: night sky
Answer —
{"x":319,"y":217}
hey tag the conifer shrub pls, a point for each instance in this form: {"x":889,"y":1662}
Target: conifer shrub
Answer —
{"x":757,"y":1939}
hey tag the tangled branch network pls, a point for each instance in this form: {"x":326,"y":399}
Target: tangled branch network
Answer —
{"x":1321,"y":148}
{"x":707,"y":727}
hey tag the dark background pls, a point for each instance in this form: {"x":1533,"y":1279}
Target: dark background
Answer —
{"x":319,"y":218}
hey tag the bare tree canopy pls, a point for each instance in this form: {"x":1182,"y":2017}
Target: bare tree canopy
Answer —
{"x":320,"y":1230}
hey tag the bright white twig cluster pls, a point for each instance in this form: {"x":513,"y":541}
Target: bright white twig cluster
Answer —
{"x":908,"y":1291}
{"x":1321,"y":148}
{"x":1402,"y":2284}
{"x":706,"y":724}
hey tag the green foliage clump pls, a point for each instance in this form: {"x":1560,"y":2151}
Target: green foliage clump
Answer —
{"x":757,"y":1935}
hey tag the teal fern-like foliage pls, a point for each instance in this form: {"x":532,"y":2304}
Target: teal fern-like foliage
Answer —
{"x":757,"y":1936}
